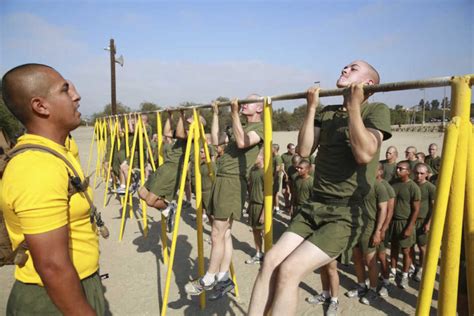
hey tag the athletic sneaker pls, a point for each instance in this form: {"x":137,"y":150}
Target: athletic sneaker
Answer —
{"x":318,"y":299}
{"x":332,"y":309}
{"x":383,"y":291}
{"x":404,"y":282}
{"x":171,"y":217}
{"x":120,"y":191}
{"x":417,"y":275}
{"x":254,"y":259}
{"x":391,"y":276}
{"x":358,"y":291}
{"x":221,"y":289}
{"x":196,"y":287}
{"x":369,"y":297}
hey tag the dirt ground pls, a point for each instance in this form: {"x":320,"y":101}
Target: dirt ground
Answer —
{"x":137,"y":274}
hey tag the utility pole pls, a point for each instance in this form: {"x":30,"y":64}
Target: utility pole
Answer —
{"x":119,"y":61}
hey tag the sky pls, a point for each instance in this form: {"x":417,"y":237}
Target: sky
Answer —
{"x":195,"y":51}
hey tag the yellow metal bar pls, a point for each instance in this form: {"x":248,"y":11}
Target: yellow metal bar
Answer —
{"x":97,"y":164}
{"x":177,"y":220}
{"x":104,"y":146}
{"x":212,"y":172}
{"x":148,"y":146}
{"x":268,"y":169}
{"x":451,"y":247}
{"x":94,"y":137}
{"x":164,"y":237}
{"x":198,"y":191}
{"x":127,"y":187}
{"x":109,"y":165}
{"x":469,"y":223}
{"x":430,"y":264}
{"x":234,"y":279}
{"x":141,"y":130}
{"x":125,"y":122}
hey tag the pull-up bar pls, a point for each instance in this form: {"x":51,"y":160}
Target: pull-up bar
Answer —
{"x":384,"y":87}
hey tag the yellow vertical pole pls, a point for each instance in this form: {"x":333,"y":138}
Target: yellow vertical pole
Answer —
{"x":104,"y":146}
{"x":125,"y":122}
{"x":140,"y":130}
{"x":212,"y":172}
{"x":451,"y":247}
{"x":164,"y":237}
{"x":120,"y":131}
{"x":99,"y":152}
{"x":234,"y":278}
{"x":198,"y":191}
{"x":177,"y":220}
{"x":109,"y":166}
{"x":469,"y":223}
{"x":268,"y":170}
{"x":148,"y":145}
{"x":94,"y":137}
{"x":127,"y":186}
{"x":430,"y":264}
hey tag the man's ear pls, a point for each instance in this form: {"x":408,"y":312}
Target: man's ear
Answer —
{"x":39,"y":106}
{"x":260,"y":108}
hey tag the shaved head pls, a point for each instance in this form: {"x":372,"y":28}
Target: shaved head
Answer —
{"x":23,"y":83}
{"x":372,"y":72}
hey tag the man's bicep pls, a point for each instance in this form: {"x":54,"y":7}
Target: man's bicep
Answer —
{"x":252,"y":138}
{"x":317,"y":134}
{"x":378,"y":136}
{"x":49,"y":248}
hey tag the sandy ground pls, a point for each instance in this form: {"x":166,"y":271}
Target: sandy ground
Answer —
{"x":137,"y":274}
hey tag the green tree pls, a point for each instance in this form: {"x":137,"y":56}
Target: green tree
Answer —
{"x":435,"y":104}
{"x":8,"y":122}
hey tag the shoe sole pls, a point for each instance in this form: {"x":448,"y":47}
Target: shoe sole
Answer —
{"x":222,"y":292}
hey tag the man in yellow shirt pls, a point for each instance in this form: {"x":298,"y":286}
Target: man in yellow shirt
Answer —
{"x":60,"y":276}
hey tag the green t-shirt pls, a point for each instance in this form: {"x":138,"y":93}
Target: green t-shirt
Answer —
{"x":277,"y":161}
{"x":174,"y":152}
{"x":286,"y":158}
{"x":389,"y":170}
{"x":390,"y":190}
{"x":238,"y":161}
{"x":338,"y":175}
{"x":406,"y":193}
{"x":303,"y":190}
{"x":292,"y":173}
{"x":434,"y":163}
{"x":428,"y":192}
{"x":205,"y":178}
{"x":256,"y":185}
{"x":377,"y":194}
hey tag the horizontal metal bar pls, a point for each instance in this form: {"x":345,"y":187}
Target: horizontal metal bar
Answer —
{"x":384,"y":87}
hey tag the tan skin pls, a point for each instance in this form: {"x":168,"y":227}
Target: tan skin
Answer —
{"x":54,"y":117}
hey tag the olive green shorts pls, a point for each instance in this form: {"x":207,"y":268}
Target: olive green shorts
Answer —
{"x":333,"y":229}
{"x":206,"y":199}
{"x":421,"y":235}
{"x":365,"y":244}
{"x":396,"y":230}
{"x":227,"y":197}
{"x":255,"y":211}
{"x":31,"y":299}
{"x":164,"y":181}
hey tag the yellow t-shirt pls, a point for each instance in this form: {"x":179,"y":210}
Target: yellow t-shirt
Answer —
{"x":35,"y":200}
{"x":73,"y":148}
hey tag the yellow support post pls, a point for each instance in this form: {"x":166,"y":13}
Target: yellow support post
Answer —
{"x":177,"y":220}
{"x":430,"y":264}
{"x":268,"y":169}
{"x":99,"y":152}
{"x":94,"y":137}
{"x":451,"y":247}
{"x":148,"y":145}
{"x":127,"y":187}
{"x":104,"y":146}
{"x":164,"y":237}
{"x":212,"y":172}
{"x":198,"y":191}
{"x":469,"y":223}
{"x":109,"y":166}
{"x":140,"y":130}
{"x":125,"y":122}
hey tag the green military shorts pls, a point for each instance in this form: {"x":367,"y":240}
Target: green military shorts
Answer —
{"x":206,"y":199}
{"x":255,"y":211}
{"x":31,"y":299}
{"x":421,"y":235}
{"x":164,"y":181}
{"x":333,"y":229}
{"x":396,"y":230}
{"x":227,"y":197}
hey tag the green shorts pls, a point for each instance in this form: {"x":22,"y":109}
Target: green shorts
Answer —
{"x":227,"y":197}
{"x":31,"y":299}
{"x":396,"y":230}
{"x":206,"y":199}
{"x":333,"y":229}
{"x":255,"y":211}
{"x":164,"y":181}
{"x":365,"y":243}
{"x":421,"y":235}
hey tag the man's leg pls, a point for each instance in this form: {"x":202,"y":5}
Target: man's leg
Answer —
{"x":371,"y":262}
{"x":218,"y":249}
{"x":262,"y":294}
{"x":333,"y":277}
{"x":303,"y":260}
{"x":359,"y":267}
{"x":406,"y":267}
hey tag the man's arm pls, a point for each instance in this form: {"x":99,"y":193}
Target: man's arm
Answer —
{"x":167,"y":127}
{"x":242,"y":138}
{"x":415,"y":209}
{"x":381,"y":216}
{"x":364,"y":141}
{"x":180,"y":132}
{"x":215,"y":124}
{"x":388,"y":217}
{"x":308,"y":136}
{"x":427,"y":226}
{"x":50,"y":253}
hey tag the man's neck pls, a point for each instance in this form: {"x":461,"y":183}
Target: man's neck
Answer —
{"x":255,"y":118}
{"x":54,"y":135}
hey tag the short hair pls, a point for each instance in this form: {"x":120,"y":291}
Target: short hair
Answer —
{"x":305,"y":163}
{"x":411,"y":147}
{"x":422,"y":154}
{"x":433,"y":144}
{"x":421,"y":165}
{"x":276,"y":147}
{"x":20,"y":85}
{"x":290,"y":145}
{"x":405,"y":163}
{"x":394,"y":148}
{"x":296,"y":158}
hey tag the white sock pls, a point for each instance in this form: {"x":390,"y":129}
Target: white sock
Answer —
{"x":405,"y":275}
{"x":166,"y":211}
{"x":209,"y":278}
{"x":259,"y":254}
{"x":362,"y":285}
{"x":393,"y":270}
{"x":222,"y":276}
{"x":325,"y":294}
{"x":373,"y":289}
{"x":122,"y":186}
{"x":334,"y":299}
